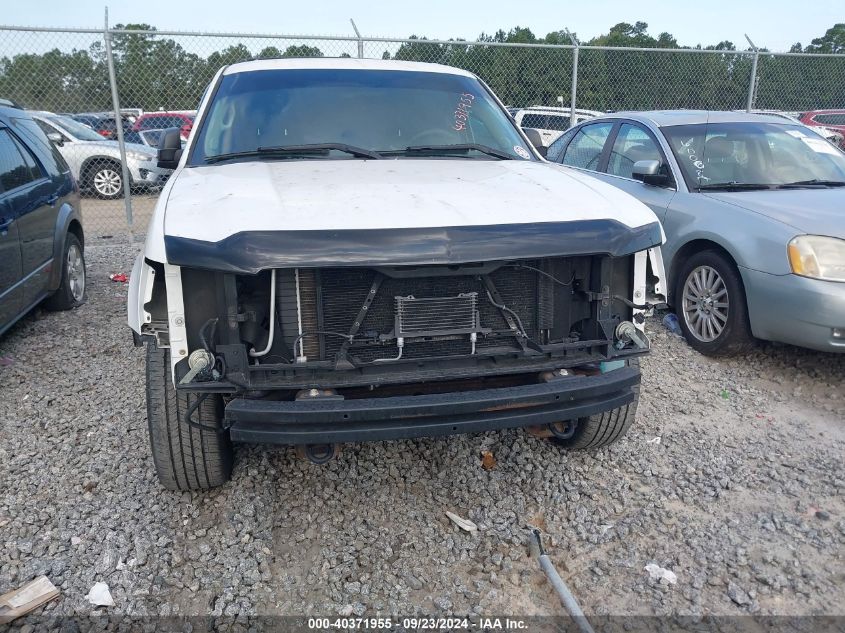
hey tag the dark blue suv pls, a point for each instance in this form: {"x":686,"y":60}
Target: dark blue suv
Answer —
{"x":41,"y":238}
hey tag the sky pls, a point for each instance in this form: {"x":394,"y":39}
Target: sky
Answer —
{"x":773,"y":24}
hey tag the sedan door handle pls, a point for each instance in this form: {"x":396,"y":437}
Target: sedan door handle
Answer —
{"x":52,"y":199}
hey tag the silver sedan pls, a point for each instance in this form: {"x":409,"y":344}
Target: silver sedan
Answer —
{"x":753,"y":208}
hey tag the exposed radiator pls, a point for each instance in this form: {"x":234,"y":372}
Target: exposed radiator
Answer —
{"x":437,"y":316}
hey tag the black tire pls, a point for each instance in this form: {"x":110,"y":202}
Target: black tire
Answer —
{"x":72,"y":290}
{"x":603,"y":429}
{"x":105,"y":180}
{"x":186,"y":457}
{"x":735,"y":336}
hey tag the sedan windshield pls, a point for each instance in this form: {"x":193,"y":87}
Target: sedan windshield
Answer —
{"x":78,"y":130}
{"x":354,"y":114}
{"x":749,"y":156}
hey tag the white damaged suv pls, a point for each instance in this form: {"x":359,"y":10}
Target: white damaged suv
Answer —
{"x":354,"y":250}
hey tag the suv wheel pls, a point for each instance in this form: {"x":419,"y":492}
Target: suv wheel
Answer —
{"x":107,"y":180}
{"x":710,"y":301}
{"x":602,"y":429}
{"x":71,"y":290}
{"x":194,"y":455}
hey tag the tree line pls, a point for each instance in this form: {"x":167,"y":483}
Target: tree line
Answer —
{"x":156,"y":72}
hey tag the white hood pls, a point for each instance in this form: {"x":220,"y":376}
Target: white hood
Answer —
{"x":213,"y":202}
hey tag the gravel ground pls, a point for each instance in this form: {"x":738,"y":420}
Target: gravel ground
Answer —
{"x":741,"y":496}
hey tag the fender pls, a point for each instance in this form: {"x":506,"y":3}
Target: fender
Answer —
{"x":671,"y":256}
{"x":66,"y":215}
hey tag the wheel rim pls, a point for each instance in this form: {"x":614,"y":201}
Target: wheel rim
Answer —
{"x":705,"y":303}
{"x":75,"y":272}
{"x":107,"y":182}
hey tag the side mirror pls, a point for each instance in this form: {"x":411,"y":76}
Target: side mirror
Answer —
{"x":170,"y":148}
{"x":649,"y":173}
{"x":56,"y":138}
{"x":536,"y":140}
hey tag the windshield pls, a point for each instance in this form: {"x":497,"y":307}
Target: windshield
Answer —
{"x":713,"y":155}
{"x":75,"y":128}
{"x":376,"y":111}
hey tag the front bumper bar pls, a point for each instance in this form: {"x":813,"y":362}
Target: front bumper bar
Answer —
{"x":319,"y":421}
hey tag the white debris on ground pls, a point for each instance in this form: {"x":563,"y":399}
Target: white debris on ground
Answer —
{"x":100,"y":596}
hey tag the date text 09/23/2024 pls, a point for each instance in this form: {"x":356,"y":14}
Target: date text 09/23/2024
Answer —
{"x":416,"y":624}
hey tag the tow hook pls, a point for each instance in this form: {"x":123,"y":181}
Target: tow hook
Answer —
{"x":555,"y":430}
{"x":318,"y":453}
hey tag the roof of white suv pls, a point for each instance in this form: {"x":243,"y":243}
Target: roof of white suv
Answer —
{"x":665,"y":118}
{"x":341,"y":63}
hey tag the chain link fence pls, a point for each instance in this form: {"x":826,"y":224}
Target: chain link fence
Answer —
{"x":65,"y":77}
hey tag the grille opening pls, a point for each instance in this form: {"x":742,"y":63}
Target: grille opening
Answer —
{"x":447,"y":314}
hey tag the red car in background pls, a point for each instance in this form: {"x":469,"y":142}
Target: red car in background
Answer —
{"x":831,"y":119}
{"x":165,"y":120}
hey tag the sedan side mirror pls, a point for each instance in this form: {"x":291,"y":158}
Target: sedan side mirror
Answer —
{"x":170,"y":148}
{"x":649,"y":172}
{"x":56,"y":138}
{"x":536,"y":140}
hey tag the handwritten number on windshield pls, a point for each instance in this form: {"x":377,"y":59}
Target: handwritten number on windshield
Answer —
{"x":462,"y":111}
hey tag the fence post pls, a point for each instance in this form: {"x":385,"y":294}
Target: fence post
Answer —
{"x":360,"y":41}
{"x":574,"y":90}
{"x":752,"y":88}
{"x":118,"y":123}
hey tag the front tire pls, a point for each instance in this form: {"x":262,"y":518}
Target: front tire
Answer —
{"x":72,"y":287}
{"x":601,"y":429}
{"x":711,"y":307}
{"x":186,"y":457}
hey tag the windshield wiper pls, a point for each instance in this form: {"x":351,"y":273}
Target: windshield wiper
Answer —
{"x":312,"y":149}
{"x":814,"y":182}
{"x":446,"y":150}
{"x":735,"y":186}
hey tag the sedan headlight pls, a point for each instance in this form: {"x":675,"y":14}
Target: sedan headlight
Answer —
{"x":818,"y":257}
{"x":140,"y":156}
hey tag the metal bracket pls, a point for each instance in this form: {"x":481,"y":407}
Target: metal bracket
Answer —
{"x":241,"y":317}
{"x":342,"y":361}
{"x":520,"y":336}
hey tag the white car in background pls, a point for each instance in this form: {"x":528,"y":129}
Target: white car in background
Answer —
{"x":95,"y":161}
{"x":549,"y":121}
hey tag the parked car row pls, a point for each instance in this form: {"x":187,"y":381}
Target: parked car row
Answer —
{"x":95,"y":162}
{"x":133,"y":123}
{"x":752,"y":209}
{"x":552,"y":122}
